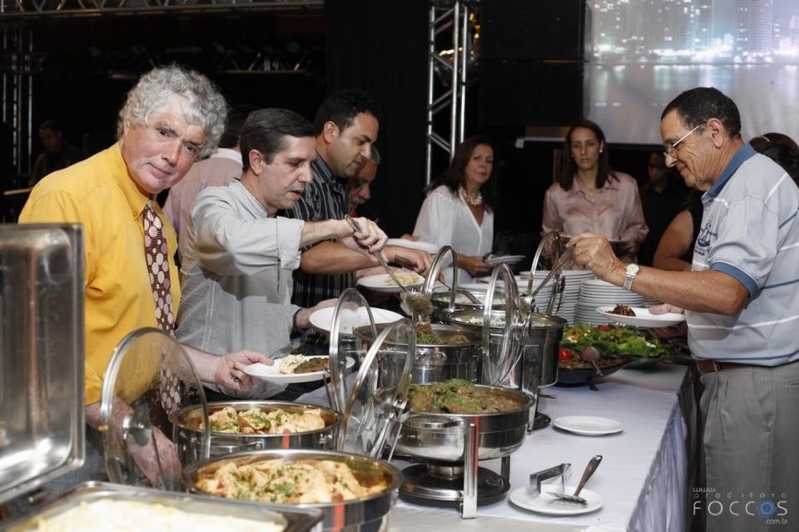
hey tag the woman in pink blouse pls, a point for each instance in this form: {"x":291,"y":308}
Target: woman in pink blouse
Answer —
{"x":589,"y":196}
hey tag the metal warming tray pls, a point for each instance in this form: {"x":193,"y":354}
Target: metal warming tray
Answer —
{"x":41,"y":359}
{"x":291,"y":519}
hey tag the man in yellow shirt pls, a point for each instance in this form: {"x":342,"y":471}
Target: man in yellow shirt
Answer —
{"x":171,"y":118}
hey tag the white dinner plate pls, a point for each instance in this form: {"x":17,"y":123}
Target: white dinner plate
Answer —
{"x":588,"y":425}
{"x":272,"y":373}
{"x":322,"y":319}
{"x":548,"y":504}
{"x":643,"y":317}
{"x":383,"y":283}
{"x":496,"y":260}
{"x":414,"y":244}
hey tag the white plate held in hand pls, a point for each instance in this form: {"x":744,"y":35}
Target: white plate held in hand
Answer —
{"x":496,"y":260}
{"x":272,"y":373}
{"x":322,"y":319}
{"x":588,"y":425}
{"x":548,"y":504}
{"x":384,"y":284}
{"x":643,"y":317}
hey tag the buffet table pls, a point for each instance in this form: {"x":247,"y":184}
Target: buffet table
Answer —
{"x":643,"y":478}
{"x":645,"y":474}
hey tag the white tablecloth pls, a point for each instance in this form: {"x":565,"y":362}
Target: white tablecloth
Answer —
{"x":643,"y":477}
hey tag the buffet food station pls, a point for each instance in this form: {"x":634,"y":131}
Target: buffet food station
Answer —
{"x":419,"y":425}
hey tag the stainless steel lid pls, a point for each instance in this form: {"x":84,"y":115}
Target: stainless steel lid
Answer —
{"x":149,"y":376}
{"x":372,"y":401}
{"x":41,"y":360}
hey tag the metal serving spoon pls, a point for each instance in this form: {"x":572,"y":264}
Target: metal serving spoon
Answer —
{"x":412,"y":302}
{"x":590,"y":354}
{"x":589,"y":471}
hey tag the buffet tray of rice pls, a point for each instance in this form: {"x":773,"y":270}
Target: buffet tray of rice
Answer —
{"x":98,"y":506}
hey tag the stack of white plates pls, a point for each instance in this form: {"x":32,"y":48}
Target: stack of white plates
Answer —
{"x":596,"y":293}
{"x":571,"y":292}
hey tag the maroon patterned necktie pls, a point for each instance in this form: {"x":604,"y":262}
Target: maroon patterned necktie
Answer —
{"x":157,"y":254}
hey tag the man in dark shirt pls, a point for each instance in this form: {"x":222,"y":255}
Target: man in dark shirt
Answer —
{"x":661,"y":199}
{"x":57,"y":152}
{"x":347,"y":123}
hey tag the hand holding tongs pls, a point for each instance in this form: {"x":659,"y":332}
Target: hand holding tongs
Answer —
{"x":378,"y":255}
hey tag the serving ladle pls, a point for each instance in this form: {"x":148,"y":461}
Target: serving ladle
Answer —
{"x":590,"y":354}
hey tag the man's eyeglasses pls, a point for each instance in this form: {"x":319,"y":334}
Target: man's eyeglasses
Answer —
{"x":671,"y":149}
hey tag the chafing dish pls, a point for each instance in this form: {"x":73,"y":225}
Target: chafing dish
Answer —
{"x":441,"y":437}
{"x":188,"y":420}
{"x":41,"y":362}
{"x":256,"y":517}
{"x":369,"y":513}
{"x":432,"y":362}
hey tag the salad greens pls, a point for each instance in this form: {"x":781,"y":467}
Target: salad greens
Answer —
{"x":612,"y":340}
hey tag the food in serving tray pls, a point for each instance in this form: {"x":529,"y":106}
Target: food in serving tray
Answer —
{"x":307,"y":481}
{"x":613,"y":343}
{"x":123,"y":516}
{"x":258,"y":421}
{"x":458,"y":396}
{"x":425,"y":335}
{"x":405,"y":277}
{"x":622,"y":310}
{"x":294,"y":364}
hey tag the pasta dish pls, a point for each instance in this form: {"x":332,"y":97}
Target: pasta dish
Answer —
{"x":405,"y":277}
{"x":257,"y":421}
{"x":293,"y":482}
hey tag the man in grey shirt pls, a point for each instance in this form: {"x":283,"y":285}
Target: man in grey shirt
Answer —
{"x":239,"y":255}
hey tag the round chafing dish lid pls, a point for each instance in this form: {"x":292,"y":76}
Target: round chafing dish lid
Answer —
{"x":373,"y":399}
{"x":149,"y":376}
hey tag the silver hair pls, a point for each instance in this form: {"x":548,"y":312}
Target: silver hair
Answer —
{"x":205,"y":105}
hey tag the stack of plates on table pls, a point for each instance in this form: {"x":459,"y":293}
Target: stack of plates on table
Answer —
{"x":596,"y":293}
{"x":571,"y":292}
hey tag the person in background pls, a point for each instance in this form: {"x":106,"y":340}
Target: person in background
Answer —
{"x":590,"y":197}
{"x":170,"y":118}
{"x":676,"y":248}
{"x":661,"y":199}
{"x":459,"y":210}
{"x":359,"y":188}
{"x":217,"y":170}
{"x":347,"y":124}
{"x":57,"y":154}
{"x":741,"y":304}
{"x":237,"y":273}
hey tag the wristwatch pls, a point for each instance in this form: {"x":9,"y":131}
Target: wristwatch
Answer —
{"x":630,"y":272}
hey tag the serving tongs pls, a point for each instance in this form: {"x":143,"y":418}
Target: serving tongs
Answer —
{"x":564,"y":258}
{"x":559,"y":285}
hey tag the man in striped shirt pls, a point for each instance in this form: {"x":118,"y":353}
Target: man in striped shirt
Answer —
{"x":347,"y":125}
{"x":742,"y":310}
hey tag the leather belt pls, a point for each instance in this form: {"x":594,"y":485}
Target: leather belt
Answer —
{"x":710,"y":366}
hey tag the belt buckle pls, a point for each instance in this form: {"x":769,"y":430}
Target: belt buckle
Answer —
{"x":709,"y":366}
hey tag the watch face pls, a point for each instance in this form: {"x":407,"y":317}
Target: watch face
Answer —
{"x":632,"y":269}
